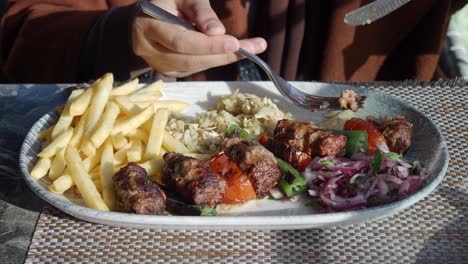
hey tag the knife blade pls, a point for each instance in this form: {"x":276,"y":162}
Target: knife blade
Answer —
{"x":373,"y":11}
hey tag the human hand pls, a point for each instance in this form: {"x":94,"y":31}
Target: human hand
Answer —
{"x":175,"y":51}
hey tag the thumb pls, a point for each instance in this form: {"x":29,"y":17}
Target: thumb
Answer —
{"x":204,"y":17}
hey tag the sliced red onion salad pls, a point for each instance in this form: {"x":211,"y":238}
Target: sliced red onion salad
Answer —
{"x":344,"y":184}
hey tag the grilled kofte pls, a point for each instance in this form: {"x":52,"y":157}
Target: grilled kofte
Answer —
{"x":397,"y":133}
{"x":136,"y":192}
{"x":192,"y":179}
{"x":310,"y":139}
{"x":296,"y":158}
{"x":256,"y":162}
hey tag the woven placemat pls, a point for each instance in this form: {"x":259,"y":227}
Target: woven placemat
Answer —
{"x":435,"y":230}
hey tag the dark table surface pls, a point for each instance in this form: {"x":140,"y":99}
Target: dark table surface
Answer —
{"x":20,"y":107}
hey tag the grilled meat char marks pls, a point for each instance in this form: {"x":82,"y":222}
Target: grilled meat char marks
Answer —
{"x":193,"y":179}
{"x":296,"y":158}
{"x":308,"y":138}
{"x":397,"y":134}
{"x":136,"y":192}
{"x":256,"y":162}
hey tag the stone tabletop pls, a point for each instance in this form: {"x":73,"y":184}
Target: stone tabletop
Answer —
{"x":20,"y":107}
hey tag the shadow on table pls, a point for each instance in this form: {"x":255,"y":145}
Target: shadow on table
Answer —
{"x":20,"y":107}
{"x":450,"y":244}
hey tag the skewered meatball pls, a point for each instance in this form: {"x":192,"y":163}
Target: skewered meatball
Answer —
{"x":256,"y":162}
{"x":193,"y":179}
{"x":136,"y":192}
{"x":308,"y":138}
{"x":398,"y":133}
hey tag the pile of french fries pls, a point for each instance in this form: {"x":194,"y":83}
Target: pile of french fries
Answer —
{"x":100,"y":130}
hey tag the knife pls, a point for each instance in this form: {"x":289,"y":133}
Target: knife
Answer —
{"x":373,"y":11}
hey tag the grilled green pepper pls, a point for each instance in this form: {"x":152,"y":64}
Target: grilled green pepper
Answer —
{"x":356,"y":140}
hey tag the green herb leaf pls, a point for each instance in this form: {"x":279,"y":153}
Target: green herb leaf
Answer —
{"x":377,"y":161}
{"x":328,"y":163}
{"x":177,"y":207}
{"x":206,"y":210}
{"x":394,"y":155}
{"x":416,"y":169}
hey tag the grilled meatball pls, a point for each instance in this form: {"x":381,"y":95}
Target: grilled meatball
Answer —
{"x":298,"y":159}
{"x":256,"y":162}
{"x":308,"y":138}
{"x":136,"y":192}
{"x":398,"y":133}
{"x":330,"y":143}
{"x":193,"y":179}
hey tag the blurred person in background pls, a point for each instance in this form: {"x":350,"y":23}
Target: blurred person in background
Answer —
{"x":72,"y":41}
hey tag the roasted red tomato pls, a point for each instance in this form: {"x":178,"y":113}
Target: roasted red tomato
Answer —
{"x":374,"y":137}
{"x":239,"y":188}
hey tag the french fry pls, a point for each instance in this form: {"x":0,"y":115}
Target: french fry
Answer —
{"x":172,"y":105}
{"x":107,"y":172}
{"x":145,"y":97}
{"x":135,"y":151}
{"x":172,"y":144}
{"x":95,"y":173}
{"x":101,"y":90}
{"x":101,"y":93}
{"x":58,"y":143}
{"x":157,"y":132}
{"x":119,"y":141}
{"x":88,"y":148}
{"x":46,"y":134}
{"x":153,"y":169}
{"x":41,"y":168}
{"x":126,"y":106}
{"x":65,"y":182}
{"x":133,"y":122}
{"x":153,"y":87}
{"x":98,"y":184}
{"x":106,"y":122}
{"x":198,"y":156}
{"x":83,"y":181}
{"x":79,"y":131}
{"x":139,"y":134}
{"x":58,"y":165}
{"x":65,"y":118}
{"x":162,"y":152}
{"x":121,"y":155}
{"x":146,"y":126}
{"x":143,"y":105}
{"x":92,"y":161}
{"x":126,"y":88}
{"x":61,"y":184}
{"x":79,"y":106}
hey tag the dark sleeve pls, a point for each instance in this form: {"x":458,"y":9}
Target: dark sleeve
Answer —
{"x":457,"y":5}
{"x":49,"y":41}
{"x":107,"y":47}
{"x":40,"y":40}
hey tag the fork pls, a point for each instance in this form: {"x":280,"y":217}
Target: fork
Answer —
{"x":291,"y":93}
